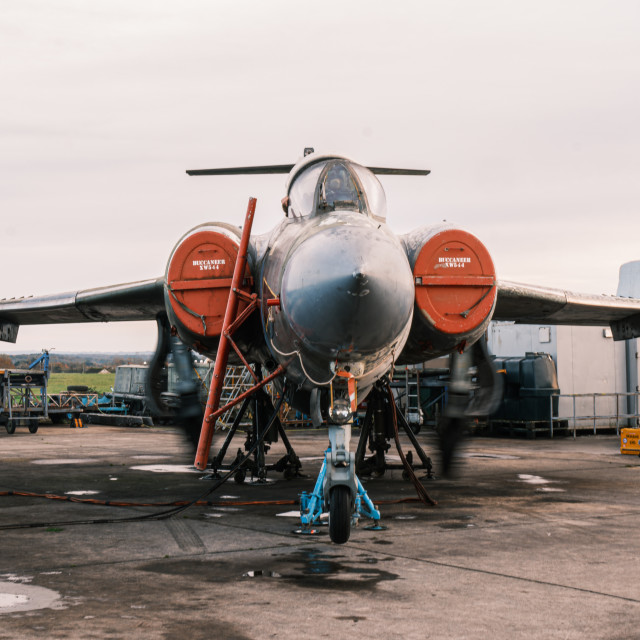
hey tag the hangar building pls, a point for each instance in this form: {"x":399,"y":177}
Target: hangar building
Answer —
{"x":587,"y":359}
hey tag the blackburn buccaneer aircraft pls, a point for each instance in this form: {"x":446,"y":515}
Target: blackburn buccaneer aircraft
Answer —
{"x":324,"y":306}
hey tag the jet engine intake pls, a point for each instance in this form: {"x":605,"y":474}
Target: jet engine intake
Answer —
{"x":455,"y":291}
{"x":197,"y":283}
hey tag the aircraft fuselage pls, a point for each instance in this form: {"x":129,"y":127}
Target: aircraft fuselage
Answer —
{"x":346,"y":298}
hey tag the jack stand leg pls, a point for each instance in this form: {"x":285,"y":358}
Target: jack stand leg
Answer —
{"x":425,"y":459}
{"x":216,"y":464}
{"x":311,"y":505}
{"x":364,"y":507}
{"x":290,"y":463}
{"x":259,"y":456}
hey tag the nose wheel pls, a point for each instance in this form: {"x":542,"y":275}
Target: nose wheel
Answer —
{"x":340,"y":514}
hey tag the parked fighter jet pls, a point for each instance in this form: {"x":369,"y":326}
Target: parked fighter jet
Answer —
{"x":338,"y":300}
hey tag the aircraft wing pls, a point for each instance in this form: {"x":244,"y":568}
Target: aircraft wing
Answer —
{"x":142,"y":300}
{"x":528,"y":304}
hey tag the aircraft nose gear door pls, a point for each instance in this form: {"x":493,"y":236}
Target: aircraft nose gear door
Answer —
{"x":339,"y":490}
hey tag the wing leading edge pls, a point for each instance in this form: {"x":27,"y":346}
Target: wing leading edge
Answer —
{"x":528,"y":304}
{"x":142,"y":300}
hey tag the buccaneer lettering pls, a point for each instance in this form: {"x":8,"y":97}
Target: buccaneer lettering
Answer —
{"x":453,"y":262}
{"x":208,"y":265}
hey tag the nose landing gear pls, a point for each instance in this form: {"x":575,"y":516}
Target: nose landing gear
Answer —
{"x":339,"y":490}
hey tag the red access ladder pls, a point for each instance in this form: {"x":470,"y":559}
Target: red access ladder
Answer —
{"x":229,"y":325}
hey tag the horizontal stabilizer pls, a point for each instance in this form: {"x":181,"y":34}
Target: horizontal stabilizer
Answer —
{"x":399,"y":172}
{"x":286,"y":168}
{"x":238,"y":171}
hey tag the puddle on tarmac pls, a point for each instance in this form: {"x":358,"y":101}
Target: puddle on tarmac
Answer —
{"x":493,"y":456}
{"x":65,"y":461}
{"x":321,"y":569}
{"x":404,"y":517}
{"x":81,"y":493}
{"x":14,"y":577}
{"x":307,"y":567}
{"x":8,"y":600}
{"x":524,"y":477}
{"x":18,"y":596}
{"x":456,"y":525}
{"x":529,"y":479}
{"x":166,"y":468}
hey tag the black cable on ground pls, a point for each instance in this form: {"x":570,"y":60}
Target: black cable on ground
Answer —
{"x":179,"y":503}
{"x":119,"y":503}
{"x":162,"y":515}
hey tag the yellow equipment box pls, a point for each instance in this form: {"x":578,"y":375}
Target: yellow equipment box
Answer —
{"x":629,"y":441}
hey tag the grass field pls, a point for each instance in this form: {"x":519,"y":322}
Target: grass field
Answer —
{"x":101,"y":382}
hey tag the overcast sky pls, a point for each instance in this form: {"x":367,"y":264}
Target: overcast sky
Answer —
{"x":527,"y":113}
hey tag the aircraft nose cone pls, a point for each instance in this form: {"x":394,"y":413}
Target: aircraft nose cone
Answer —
{"x":348,"y":288}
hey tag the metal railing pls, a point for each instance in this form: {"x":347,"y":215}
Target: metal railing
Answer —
{"x":593,"y":416}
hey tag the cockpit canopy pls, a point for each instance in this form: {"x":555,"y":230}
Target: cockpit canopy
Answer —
{"x":336,"y":184}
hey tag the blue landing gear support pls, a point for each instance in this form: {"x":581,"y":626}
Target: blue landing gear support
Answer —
{"x":344,"y":509}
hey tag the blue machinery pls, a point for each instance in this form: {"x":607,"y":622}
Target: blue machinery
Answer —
{"x":44,"y":358}
{"x":313,"y":505}
{"x":23,"y":395}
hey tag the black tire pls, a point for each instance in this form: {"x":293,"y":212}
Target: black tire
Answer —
{"x":33,"y":428}
{"x":239,"y":476}
{"x":339,"y":514}
{"x":10,"y":427}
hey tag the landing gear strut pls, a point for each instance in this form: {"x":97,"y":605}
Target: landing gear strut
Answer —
{"x":289,"y":464}
{"x":468,"y":398}
{"x":339,"y":490}
{"x":377,"y":429}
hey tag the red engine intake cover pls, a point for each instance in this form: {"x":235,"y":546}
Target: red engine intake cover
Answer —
{"x":455,"y":281}
{"x":199,"y":277}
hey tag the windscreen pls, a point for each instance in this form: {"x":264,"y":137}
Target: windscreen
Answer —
{"x":336,"y":185}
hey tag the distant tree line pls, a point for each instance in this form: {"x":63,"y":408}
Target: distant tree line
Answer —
{"x":75,"y":362}
{"x":5,"y":362}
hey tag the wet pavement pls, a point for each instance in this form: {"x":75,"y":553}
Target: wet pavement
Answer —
{"x":534,"y":539}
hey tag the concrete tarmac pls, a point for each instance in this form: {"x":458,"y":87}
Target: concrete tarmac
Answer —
{"x":534,"y":539}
